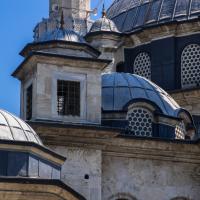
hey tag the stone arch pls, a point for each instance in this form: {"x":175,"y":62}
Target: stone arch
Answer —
{"x":122,"y":196}
{"x":181,"y":198}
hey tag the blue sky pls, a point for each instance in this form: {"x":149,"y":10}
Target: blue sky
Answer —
{"x":17,"y":20}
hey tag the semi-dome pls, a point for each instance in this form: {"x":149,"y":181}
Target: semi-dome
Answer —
{"x":130,"y":15}
{"x":118,"y":89}
{"x":14,"y":129}
{"x":61,"y":35}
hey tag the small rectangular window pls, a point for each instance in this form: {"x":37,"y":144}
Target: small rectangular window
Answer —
{"x":68,"y":98}
{"x":29,"y":96}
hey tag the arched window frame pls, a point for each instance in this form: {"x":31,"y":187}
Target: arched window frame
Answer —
{"x":190,"y":65}
{"x":142,"y":65}
{"x":121,"y":196}
{"x":143,"y":128}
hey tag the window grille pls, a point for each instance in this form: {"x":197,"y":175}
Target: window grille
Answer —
{"x":190,"y":66}
{"x":68,"y":98}
{"x":180,"y":131}
{"x":140,"y":122}
{"x":142,"y":65}
{"x":29,"y":97}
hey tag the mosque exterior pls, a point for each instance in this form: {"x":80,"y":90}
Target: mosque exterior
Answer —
{"x":98,"y":125}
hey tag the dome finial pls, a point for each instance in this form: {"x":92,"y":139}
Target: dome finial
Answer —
{"x":103,"y":11}
{"x":62,"y":21}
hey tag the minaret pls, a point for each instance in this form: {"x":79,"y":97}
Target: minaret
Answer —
{"x":76,"y":9}
{"x":76,"y":16}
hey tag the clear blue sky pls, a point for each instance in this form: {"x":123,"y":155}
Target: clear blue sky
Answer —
{"x":17,"y":20}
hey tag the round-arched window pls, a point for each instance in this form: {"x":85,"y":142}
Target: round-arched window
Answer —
{"x":140,"y":122}
{"x":142,"y":65}
{"x":190,"y":66}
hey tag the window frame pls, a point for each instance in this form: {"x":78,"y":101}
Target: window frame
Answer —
{"x":69,"y":76}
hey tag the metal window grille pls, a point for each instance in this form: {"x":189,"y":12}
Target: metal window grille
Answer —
{"x":29,"y":97}
{"x":190,"y":66}
{"x":140,"y":122}
{"x":68,"y":98}
{"x":180,"y":131}
{"x":142,"y":65}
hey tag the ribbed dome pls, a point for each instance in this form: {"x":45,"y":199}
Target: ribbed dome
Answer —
{"x":104,"y":24}
{"x":15,"y":129}
{"x":61,"y":34}
{"x":118,"y":89}
{"x":129,"y":15}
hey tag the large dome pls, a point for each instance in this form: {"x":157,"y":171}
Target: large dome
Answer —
{"x":13,"y":128}
{"x":129,"y":15}
{"x":118,"y":89}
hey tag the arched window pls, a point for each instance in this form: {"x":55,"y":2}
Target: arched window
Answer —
{"x":190,"y":66}
{"x":140,"y":121}
{"x":142,"y":65}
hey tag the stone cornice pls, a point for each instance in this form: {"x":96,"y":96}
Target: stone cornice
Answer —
{"x":22,"y":187}
{"x":112,"y":142}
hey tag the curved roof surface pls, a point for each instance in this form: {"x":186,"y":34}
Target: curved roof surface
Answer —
{"x":61,"y":34}
{"x":104,"y":24}
{"x":130,"y":15}
{"x":118,"y":89}
{"x":13,"y":128}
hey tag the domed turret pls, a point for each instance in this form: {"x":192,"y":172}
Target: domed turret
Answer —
{"x":104,"y":24}
{"x":61,"y":34}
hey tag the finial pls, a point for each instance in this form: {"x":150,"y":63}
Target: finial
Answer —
{"x":103,"y":11}
{"x":62,"y":21}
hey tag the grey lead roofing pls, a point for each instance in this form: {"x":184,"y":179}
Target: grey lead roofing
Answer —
{"x":61,"y":35}
{"x":104,"y":24}
{"x":118,"y":89}
{"x":14,"y":129}
{"x":130,"y":15}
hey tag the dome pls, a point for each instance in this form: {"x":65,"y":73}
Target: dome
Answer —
{"x":61,"y":34}
{"x":129,"y":15}
{"x":13,"y":128}
{"x":118,"y":89}
{"x":104,"y":24}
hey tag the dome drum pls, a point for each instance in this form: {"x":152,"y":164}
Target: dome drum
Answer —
{"x":21,"y":164}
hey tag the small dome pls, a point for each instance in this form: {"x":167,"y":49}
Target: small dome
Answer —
{"x":15,"y":129}
{"x":61,"y":34}
{"x":118,"y":89}
{"x":104,"y":24}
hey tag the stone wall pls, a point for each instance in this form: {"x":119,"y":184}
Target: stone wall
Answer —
{"x":130,"y":178}
{"x":45,"y":101}
{"x":82,"y":170}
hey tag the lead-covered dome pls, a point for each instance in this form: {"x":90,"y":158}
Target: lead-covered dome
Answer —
{"x":15,"y":129}
{"x":130,"y":15}
{"x":118,"y":89}
{"x":104,"y":24}
{"x":61,"y":35}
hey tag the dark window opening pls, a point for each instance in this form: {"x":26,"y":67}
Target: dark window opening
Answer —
{"x":29,"y":97}
{"x":120,"y":67}
{"x":68,"y":94}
